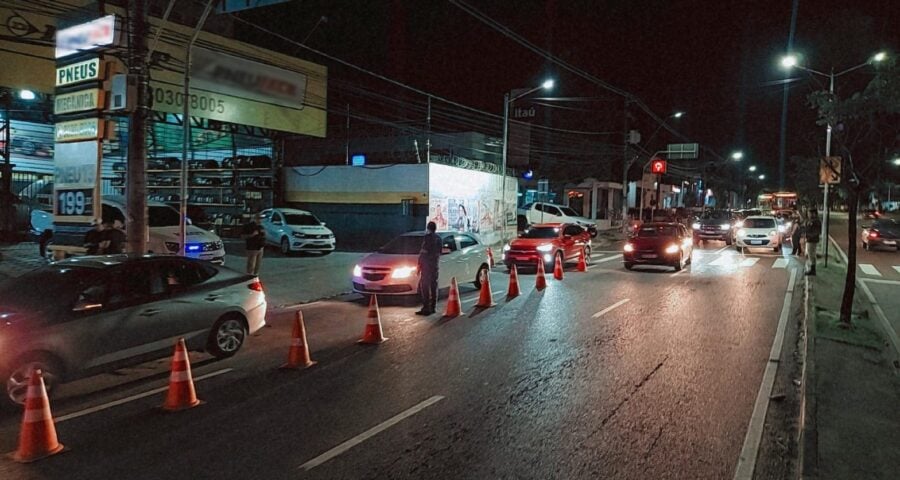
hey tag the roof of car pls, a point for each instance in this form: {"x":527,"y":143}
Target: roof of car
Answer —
{"x":105,"y":261}
{"x":292,"y":210}
{"x":755,"y":217}
{"x":550,"y":225}
{"x":660,"y":224}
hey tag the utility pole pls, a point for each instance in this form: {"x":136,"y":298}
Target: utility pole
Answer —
{"x":136,"y":186}
{"x":626,"y":165}
{"x":428,"y":128}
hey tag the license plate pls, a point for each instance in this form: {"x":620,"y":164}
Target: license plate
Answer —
{"x":649,"y":255}
{"x":756,"y":242}
{"x":373,"y":287}
{"x":890,"y":242}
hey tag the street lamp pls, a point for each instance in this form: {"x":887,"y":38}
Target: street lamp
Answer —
{"x":752,"y":168}
{"x":678,"y":114}
{"x":27,"y":95}
{"x":762,"y":177}
{"x":791,"y":61}
{"x":547,"y":85}
{"x":897,"y":161}
{"x":737,"y":156}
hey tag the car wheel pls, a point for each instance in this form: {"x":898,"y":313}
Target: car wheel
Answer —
{"x":739,"y":249}
{"x":587,"y":255}
{"x":629,"y":266}
{"x":20,"y":374}
{"x":482,"y":270}
{"x":680,"y":263}
{"x":285,"y":246}
{"x":728,"y":241}
{"x":227,"y":336}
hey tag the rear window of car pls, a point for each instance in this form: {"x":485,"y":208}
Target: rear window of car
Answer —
{"x":665,"y":231}
{"x":541,"y":232}
{"x":759,"y":223}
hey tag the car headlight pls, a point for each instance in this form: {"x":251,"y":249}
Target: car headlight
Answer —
{"x":545,"y":248}
{"x":403,"y":272}
{"x":725,"y":226}
{"x":506,"y":247}
{"x":629,"y":247}
{"x":672,"y":248}
{"x":548,"y":258}
{"x":773,"y":233}
{"x":172,"y":246}
{"x":298,"y":235}
{"x":739,"y":224}
{"x":357,"y":271}
{"x":695,"y":226}
{"x":742,"y":232}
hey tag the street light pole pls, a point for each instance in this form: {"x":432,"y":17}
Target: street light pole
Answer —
{"x":827,"y":154}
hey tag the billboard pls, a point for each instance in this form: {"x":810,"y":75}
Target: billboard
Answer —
{"x":470,"y":201}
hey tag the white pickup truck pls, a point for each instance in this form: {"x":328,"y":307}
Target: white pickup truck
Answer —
{"x":539,"y":212}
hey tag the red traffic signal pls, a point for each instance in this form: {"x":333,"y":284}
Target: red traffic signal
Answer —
{"x":658,"y":166}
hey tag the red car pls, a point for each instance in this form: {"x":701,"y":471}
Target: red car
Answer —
{"x":659,"y":244}
{"x":546,"y":242}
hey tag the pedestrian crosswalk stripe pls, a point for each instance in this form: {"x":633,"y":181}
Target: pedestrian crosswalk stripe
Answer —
{"x":749,"y":262}
{"x":897,"y":268}
{"x":869,"y":269}
{"x":723,"y":261}
{"x":780,"y":263}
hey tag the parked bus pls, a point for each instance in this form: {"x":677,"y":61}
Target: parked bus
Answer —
{"x":777,"y":202}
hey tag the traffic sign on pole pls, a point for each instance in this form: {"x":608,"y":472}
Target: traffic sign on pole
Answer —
{"x":658,"y":166}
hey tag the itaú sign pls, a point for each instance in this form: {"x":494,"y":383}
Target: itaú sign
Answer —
{"x":86,"y":36}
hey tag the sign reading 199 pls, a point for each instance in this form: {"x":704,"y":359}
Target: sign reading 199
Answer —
{"x":204,"y":102}
{"x":75,"y":202}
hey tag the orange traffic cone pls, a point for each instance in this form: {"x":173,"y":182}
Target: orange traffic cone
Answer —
{"x":37,"y":439}
{"x":298,"y":355}
{"x":454,"y":305}
{"x":181,"y":394}
{"x":558,"y":268}
{"x":490,"y":257}
{"x":486,"y":298}
{"x":540,"y":281}
{"x":373,"y":334}
{"x":513,"y":290}
{"x":582,"y":263}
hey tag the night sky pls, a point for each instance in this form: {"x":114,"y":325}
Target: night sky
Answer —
{"x":715,"y":60}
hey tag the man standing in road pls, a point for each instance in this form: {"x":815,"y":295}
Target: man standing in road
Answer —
{"x":796,"y":249}
{"x":813,"y":229}
{"x":429,"y":256}
{"x":255,"y":239}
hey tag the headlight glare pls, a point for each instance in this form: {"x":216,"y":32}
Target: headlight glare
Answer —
{"x":506,"y":247}
{"x":672,"y":248}
{"x":629,"y":247}
{"x":357,"y":271}
{"x":545,"y":248}
{"x":725,"y":226}
{"x":403,"y":272}
{"x":695,"y":226}
{"x":742,"y":232}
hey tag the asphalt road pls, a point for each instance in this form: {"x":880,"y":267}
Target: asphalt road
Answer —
{"x":606,"y":374}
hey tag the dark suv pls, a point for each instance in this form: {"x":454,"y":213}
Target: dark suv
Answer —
{"x":713,"y":225}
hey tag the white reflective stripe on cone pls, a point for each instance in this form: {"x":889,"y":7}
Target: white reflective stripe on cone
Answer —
{"x":182,"y":376}
{"x":34,"y":416}
{"x":180,"y":355}
{"x":34,"y":391}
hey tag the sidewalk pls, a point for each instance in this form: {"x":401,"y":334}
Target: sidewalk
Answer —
{"x":852,"y":414}
{"x":19,"y":258}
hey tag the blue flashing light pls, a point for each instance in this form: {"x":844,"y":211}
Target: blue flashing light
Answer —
{"x":193,"y":248}
{"x":358,"y":160}
{"x":528,"y":175}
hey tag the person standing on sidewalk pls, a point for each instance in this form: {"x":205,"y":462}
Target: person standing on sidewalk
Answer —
{"x":255,"y":243}
{"x":429,"y":257}
{"x":796,"y":249}
{"x":813,"y":229}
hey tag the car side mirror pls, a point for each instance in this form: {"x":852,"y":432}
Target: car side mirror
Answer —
{"x":445,"y":251}
{"x":87,"y":305}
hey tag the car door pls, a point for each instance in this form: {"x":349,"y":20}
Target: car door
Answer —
{"x":274,"y":228}
{"x":685,"y":239}
{"x":137,"y":292}
{"x":449,"y":261}
{"x":195,"y":304}
{"x":570,"y":240}
{"x":471,"y":256}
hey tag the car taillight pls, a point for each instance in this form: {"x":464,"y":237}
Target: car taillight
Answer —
{"x":256,"y":286}
{"x":873,"y":234}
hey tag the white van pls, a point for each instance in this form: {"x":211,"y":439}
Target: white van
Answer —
{"x":163,"y":221}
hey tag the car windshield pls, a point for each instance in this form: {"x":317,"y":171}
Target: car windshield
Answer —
{"x":55,"y":283}
{"x":568,"y":212}
{"x":301,"y":219}
{"x":161,"y":216}
{"x":656,"y":231}
{"x":714,"y":215}
{"x":541,"y":232}
{"x":759,"y":223}
{"x":403,"y":245}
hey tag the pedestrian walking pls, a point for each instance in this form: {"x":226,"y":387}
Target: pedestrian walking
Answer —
{"x":255,"y":243}
{"x":43,"y":241}
{"x":112,"y":238}
{"x":429,"y":256}
{"x":796,"y":248}
{"x":813,"y":230}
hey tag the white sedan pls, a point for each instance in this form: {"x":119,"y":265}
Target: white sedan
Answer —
{"x":295,"y":230}
{"x":392,"y":269}
{"x":758,"y":232}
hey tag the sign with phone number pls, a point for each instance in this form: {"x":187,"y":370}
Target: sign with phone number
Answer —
{"x":79,"y":203}
{"x":202,"y":103}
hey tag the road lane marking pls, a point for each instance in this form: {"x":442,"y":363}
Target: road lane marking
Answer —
{"x":723,"y":261}
{"x":885,"y":324}
{"x":721,"y":249}
{"x":608,"y":258}
{"x":750,"y":450}
{"x":869,"y":269}
{"x":780,"y":263}
{"x":749,"y":261}
{"x":122,"y":401}
{"x":362,"y":437}
{"x":897,"y":268}
{"x":610,"y":308}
